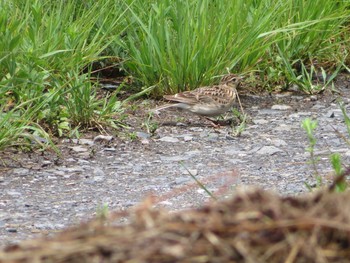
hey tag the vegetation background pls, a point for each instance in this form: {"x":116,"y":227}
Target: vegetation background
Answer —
{"x":52,"y":55}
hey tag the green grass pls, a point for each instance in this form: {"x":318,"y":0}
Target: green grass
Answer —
{"x":184,"y":44}
{"x":47,"y":49}
{"x":45,"y":46}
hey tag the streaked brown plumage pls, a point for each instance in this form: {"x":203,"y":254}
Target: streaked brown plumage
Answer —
{"x":208,"y":101}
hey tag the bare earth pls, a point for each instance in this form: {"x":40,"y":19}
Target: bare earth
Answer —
{"x":41,"y":193}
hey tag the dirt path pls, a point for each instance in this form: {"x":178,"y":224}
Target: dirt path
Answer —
{"x":40,"y":194}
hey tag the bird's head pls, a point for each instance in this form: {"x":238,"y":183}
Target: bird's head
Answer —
{"x":231,"y":79}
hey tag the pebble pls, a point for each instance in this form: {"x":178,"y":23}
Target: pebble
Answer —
{"x":169,"y":139}
{"x":98,"y":179}
{"x":279,"y":142}
{"x":143,"y":135}
{"x":79,"y":149}
{"x":268,"y":150}
{"x":177,"y":158}
{"x":46,"y":163}
{"x":182,"y":180}
{"x":269,"y":112}
{"x":110,"y":149}
{"x":296,"y":97}
{"x":318,"y":106}
{"x":330,"y":114}
{"x":11,"y":230}
{"x":281,"y":107}
{"x":284,"y":127}
{"x":193,"y":172}
{"x":106,"y":138}
{"x":86,"y":141}
{"x":98,"y":172}
{"x":20,"y":171}
{"x":188,"y":138}
{"x":260,"y":121}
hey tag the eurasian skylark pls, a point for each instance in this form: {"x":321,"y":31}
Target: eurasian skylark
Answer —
{"x":207,"y":101}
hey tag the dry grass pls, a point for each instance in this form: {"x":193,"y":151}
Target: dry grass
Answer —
{"x":254,"y":226}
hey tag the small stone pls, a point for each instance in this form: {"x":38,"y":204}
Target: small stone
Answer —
{"x":268,"y":112}
{"x":260,"y":121}
{"x":284,"y":127}
{"x":281,"y":107}
{"x":283,"y":95}
{"x":106,"y":138}
{"x":73,"y":169}
{"x":11,"y":230}
{"x":294,"y":87}
{"x":143,"y":135}
{"x":110,"y":149}
{"x":294,"y":97}
{"x":193,"y":153}
{"x":169,"y":139}
{"x":193,"y":172}
{"x":279,"y":142}
{"x":144,"y":141}
{"x":98,"y":172}
{"x":330,"y":114}
{"x":188,"y":138}
{"x":85,"y":142}
{"x":318,"y":106}
{"x":166,"y":202}
{"x":79,"y":149}
{"x":13,"y":193}
{"x":21,"y":171}
{"x":38,"y":139}
{"x":98,"y":179}
{"x":46,"y":163}
{"x":182,"y":180}
{"x":176,"y":158}
{"x":213,"y":136}
{"x":268,"y":150}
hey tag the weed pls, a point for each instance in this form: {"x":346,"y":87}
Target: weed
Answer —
{"x":132,"y":136}
{"x":150,"y":125}
{"x":199,"y":183}
{"x":102,"y":212}
{"x":242,"y":120}
{"x":339,"y":183}
{"x":309,"y":126}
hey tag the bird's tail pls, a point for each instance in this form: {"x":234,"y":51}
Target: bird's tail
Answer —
{"x":156,"y":110}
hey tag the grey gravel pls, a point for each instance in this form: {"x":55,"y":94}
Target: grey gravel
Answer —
{"x":42,"y":193}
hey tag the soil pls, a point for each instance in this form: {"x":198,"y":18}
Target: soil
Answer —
{"x":42,"y":193}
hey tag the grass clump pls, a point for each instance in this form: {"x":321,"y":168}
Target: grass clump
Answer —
{"x":312,"y":39}
{"x":45,"y":46}
{"x":184,"y":44}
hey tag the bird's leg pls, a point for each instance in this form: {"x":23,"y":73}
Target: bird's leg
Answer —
{"x":213,"y":123}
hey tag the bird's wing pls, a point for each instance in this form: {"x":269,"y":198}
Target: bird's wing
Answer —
{"x":200,"y":95}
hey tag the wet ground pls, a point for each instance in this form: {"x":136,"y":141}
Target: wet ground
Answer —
{"x":41,"y":193}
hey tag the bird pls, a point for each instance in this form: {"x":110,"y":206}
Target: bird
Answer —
{"x":208,"y":101}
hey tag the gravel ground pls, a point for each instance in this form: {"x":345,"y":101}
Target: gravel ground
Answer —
{"x":42,"y":194}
